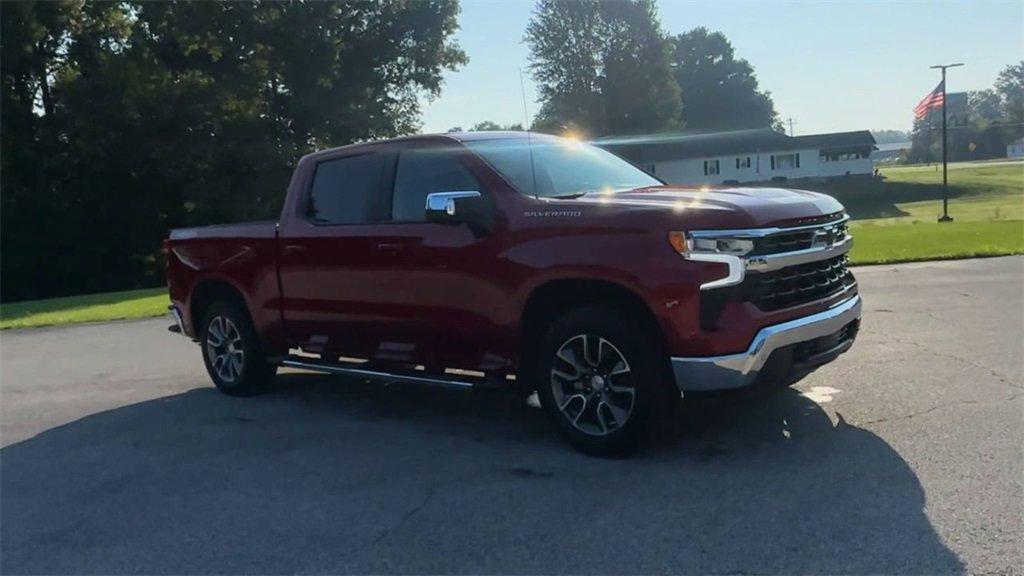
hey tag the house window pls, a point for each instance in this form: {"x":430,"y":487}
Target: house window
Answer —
{"x":711,"y":167}
{"x":742,"y":163}
{"x":785,"y":161}
{"x":844,"y":157}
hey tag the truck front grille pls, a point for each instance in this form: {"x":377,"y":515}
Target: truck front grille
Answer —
{"x":795,"y":285}
{"x":768,"y":282}
{"x":799,"y":239}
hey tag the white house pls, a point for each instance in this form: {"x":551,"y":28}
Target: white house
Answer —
{"x":745,"y":155}
{"x":1015,"y":149}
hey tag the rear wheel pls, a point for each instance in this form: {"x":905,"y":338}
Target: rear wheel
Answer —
{"x":601,"y":378}
{"x":232,"y":352}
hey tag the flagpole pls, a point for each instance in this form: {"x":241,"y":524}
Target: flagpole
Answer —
{"x":945,"y":184}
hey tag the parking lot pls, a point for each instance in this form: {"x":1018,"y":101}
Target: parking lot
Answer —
{"x":905,"y":455}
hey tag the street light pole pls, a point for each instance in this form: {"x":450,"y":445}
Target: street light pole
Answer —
{"x":945,"y":185}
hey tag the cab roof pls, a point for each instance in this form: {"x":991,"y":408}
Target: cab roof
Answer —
{"x":460,"y":137}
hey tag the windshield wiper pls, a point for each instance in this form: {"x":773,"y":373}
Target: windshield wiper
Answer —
{"x":568,"y":196}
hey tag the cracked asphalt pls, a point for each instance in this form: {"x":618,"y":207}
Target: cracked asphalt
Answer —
{"x":904,"y":456}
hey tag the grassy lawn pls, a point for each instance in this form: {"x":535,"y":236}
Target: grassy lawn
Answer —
{"x":895,"y":218}
{"x":877,"y":244}
{"x":90,"y":308}
{"x":984,"y":191}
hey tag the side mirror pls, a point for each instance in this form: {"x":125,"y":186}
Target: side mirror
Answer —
{"x":467,"y":207}
{"x":445,"y":206}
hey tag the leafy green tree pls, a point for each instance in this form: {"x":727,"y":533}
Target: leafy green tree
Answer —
{"x":890,"y":136}
{"x":993,"y":118}
{"x":1010,"y":87}
{"x":719,"y":91}
{"x":489,"y":125}
{"x":121,"y":120}
{"x":601,"y":66}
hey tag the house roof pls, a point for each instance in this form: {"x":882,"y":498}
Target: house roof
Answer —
{"x":652,"y":147}
{"x":836,"y":140}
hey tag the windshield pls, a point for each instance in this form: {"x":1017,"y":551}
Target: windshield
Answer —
{"x":559,"y":167}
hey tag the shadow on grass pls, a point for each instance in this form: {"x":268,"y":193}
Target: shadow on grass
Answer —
{"x":866,"y":198}
{"x":331,"y":475}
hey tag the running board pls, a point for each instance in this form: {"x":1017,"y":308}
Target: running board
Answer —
{"x":360,"y":372}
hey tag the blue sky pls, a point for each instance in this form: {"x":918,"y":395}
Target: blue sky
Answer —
{"x":831,"y":66}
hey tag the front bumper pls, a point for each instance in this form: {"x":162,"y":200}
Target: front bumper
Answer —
{"x":773,"y":351}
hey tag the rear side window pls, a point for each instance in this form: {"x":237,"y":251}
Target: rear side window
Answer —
{"x":344,"y":189}
{"x":426,"y":171}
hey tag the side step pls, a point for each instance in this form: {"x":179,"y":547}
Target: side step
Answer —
{"x":361,"y":371}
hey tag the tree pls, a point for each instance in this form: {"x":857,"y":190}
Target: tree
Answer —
{"x":489,"y":125}
{"x":719,"y":91}
{"x":890,"y":136}
{"x":1010,"y":87}
{"x":601,"y":67}
{"x":121,"y":120}
{"x":993,"y":118}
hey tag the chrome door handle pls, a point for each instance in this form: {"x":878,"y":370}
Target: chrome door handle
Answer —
{"x":389,"y":248}
{"x":294,"y":249}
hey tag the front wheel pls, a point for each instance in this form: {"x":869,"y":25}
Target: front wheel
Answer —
{"x":232,"y":351}
{"x":602,"y":379}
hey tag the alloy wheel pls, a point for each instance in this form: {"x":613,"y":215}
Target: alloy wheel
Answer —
{"x":592,"y":384}
{"x":224,"y":348}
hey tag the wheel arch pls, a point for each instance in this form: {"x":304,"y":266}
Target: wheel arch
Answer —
{"x":554,"y":297}
{"x":211,"y":290}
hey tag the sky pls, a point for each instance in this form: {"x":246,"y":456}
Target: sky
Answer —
{"x":830,"y":66}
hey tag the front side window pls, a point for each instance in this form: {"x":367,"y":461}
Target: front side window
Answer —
{"x":344,"y":189}
{"x":549,"y":167}
{"x":425,"y":171}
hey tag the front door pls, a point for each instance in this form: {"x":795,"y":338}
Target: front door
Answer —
{"x":441,"y":299}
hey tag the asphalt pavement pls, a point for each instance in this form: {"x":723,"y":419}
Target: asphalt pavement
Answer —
{"x":904,"y":456}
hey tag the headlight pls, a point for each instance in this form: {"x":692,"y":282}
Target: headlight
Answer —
{"x":731,"y":246}
{"x":727,"y":251}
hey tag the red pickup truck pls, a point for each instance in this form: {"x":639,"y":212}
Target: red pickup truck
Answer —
{"x":505,"y":258}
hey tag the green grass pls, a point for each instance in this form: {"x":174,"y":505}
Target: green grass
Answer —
{"x":90,"y":308}
{"x":983,"y":192}
{"x":877,"y":244}
{"x":895,"y":219}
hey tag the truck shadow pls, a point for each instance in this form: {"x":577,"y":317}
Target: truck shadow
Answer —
{"x":331,"y":475}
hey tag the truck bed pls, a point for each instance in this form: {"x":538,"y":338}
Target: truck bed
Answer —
{"x":238,"y":257}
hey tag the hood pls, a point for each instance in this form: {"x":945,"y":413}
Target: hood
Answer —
{"x":724,"y":207}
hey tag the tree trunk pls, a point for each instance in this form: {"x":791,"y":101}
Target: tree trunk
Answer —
{"x":44,"y":81}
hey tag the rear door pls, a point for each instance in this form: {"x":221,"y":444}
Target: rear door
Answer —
{"x":331,"y":257}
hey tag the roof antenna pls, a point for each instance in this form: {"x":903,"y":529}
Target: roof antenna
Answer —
{"x":529,"y":138}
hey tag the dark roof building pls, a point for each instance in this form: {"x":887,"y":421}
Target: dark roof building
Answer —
{"x":745,"y":155}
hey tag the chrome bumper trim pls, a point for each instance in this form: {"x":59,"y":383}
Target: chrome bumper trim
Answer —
{"x":742,"y":369}
{"x":771,"y":262}
{"x":762,"y":232}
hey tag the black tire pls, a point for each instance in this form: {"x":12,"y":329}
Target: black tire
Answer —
{"x":228,"y":323}
{"x":594,"y":430}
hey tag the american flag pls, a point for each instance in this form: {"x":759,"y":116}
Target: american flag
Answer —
{"x":933,"y":100}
